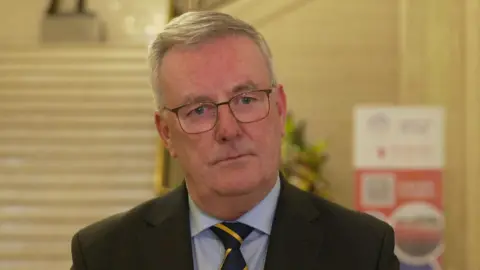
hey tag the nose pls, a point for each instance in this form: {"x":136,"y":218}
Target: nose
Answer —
{"x":227,"y":127}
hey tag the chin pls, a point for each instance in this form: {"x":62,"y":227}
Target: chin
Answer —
{"x":225,"y":189}
{"x":236,"y":182}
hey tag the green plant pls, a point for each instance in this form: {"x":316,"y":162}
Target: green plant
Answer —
{"x":302,"y":163}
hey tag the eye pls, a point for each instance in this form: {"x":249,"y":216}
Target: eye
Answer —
{"x":199,"y":110}
{"x":246,"y":100}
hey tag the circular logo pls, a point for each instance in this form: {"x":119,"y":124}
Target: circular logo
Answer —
{"x":418,"y":233}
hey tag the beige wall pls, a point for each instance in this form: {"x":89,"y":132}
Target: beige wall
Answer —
{"x":328,"y":64}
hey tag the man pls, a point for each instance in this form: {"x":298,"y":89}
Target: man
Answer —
{"x":221,"y":113}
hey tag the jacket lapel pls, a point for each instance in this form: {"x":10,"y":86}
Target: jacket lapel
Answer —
{"x":297,"y":232}
{"x":165,"y":241}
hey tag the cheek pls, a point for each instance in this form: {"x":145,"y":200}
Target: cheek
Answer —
{"x":268,"y":138}
{"x":191,"y":149}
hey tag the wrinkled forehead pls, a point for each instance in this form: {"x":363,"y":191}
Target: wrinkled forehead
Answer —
{"x":215,"y":69}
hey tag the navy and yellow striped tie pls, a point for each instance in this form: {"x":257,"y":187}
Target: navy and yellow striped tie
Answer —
{"x":232,"y":236}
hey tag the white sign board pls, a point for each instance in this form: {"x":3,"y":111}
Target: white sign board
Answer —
{"x":398,"y":137}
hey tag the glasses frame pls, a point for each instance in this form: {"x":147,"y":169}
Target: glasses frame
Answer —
{"x":218,"y":104}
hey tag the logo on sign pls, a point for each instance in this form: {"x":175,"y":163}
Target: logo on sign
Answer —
{"x":378,"y":123}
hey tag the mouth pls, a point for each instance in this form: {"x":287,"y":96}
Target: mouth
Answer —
{"x":230,"y":159}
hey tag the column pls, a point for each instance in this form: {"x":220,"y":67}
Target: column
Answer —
{"x":472,"y":138}
{"x":432,"y":72}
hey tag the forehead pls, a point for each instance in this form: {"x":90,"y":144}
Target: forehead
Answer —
{"x":214,"y":68}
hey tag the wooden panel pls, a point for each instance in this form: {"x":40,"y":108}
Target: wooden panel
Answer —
{"x":472,"y":109}
{"x":440,"y":66}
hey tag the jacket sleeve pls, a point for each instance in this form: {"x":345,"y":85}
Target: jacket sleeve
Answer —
{"x":388,"y":260}
{"x":78,"y":260}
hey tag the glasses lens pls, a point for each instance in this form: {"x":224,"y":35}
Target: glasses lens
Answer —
{"x":246,"y":107}
{"x":250,"y":106}
{"x":196,"y":118}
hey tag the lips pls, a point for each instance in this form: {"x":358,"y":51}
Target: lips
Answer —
{"x":229,"y":158}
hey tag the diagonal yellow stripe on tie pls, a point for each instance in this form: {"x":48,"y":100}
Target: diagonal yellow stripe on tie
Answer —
{"x":229,"y":231}
{"x":225,"y":257}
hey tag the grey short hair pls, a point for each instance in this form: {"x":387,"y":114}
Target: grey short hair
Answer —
{"x":194,"y":28}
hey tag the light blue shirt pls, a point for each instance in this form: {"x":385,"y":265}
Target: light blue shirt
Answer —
{"x":208,"y":250}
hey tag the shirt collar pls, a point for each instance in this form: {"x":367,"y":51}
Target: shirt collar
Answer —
{"x":260,"y":217}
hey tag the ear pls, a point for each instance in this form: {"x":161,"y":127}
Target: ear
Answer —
{"x":164,"y":131}
{"x":281,"y":102}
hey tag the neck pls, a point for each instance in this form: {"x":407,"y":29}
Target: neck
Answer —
{"x":230,"y":208}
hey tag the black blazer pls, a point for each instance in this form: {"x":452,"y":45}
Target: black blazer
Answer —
{"x":308,"y":233}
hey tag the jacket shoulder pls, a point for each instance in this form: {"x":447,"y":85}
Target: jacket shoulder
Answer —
{"x":350,"y":220}
{"x":106,"y":243}
{"x":364,"y":237}
{"x":100,"y":230}
{"x":104,"y":234}
{"x":347,"y":214}
{"x":337,"y":216}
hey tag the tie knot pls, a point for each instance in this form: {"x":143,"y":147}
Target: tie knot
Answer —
{"x":232,"y":234}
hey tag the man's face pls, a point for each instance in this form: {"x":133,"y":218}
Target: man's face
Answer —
{"x":233,"y":158}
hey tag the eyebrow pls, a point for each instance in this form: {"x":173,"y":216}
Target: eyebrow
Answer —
{"x":248,"y":85}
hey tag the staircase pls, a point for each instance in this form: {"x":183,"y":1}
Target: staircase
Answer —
{"x":77,"y":143}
